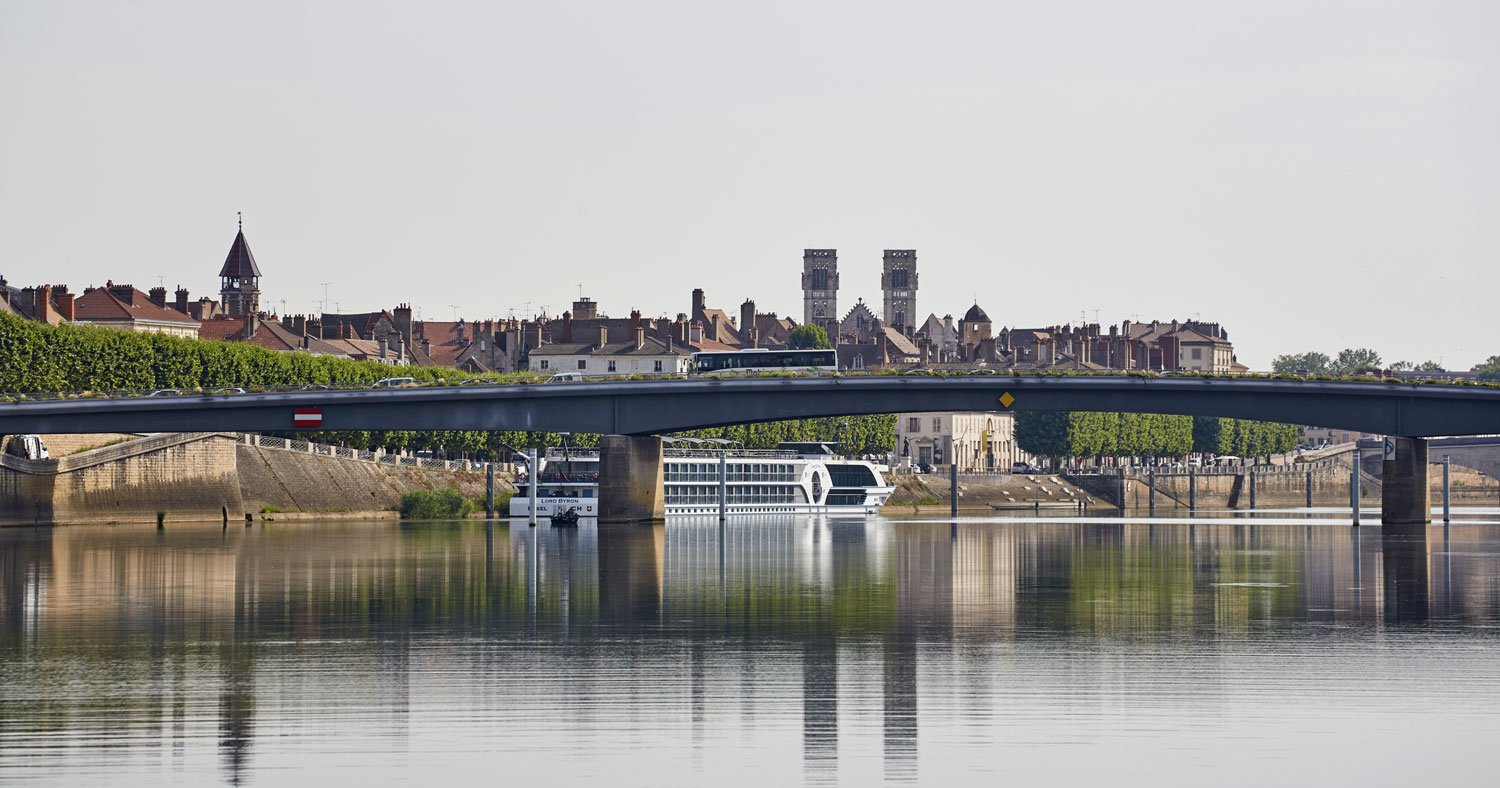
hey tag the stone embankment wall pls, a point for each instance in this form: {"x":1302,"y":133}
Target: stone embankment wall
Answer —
{"x":292,"y":481}
{"x":1274,"y":488}
{"x":978,"y":491}
{"x":206,"y":476}
{"x":191,"y":476}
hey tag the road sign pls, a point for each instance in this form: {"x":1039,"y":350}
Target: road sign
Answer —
{"x":307,"y":417}
{"x":1006,"y":399}
{"x":1389,"y":448}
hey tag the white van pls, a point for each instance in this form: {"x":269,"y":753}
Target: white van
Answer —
{"x":30,"y":447}
{"x":563,"y":377}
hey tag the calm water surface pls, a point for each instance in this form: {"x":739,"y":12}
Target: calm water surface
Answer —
{"x":765,"y":652}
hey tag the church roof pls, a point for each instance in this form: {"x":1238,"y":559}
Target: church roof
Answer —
{"x":240,"y":263}
{"x":976,"y":315}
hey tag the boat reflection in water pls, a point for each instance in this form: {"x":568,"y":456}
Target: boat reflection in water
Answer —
{"x":780,"y":647}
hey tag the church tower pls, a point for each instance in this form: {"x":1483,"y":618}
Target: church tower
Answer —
{"x":240,"y":293}
{"x":898,"y":281}
{"x":820,"y":286}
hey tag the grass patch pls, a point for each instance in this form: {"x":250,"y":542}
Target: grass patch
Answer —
{"x":271,"y":510}
{"x":445,"y":503}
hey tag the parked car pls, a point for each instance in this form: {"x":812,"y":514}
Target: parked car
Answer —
{"x":563,"y":377}
{"x":164,"y":393}
{"x":29,"y":446}
{"x":392,"y":383}
{"x":230,"y":390}
{"x":923,"y":467}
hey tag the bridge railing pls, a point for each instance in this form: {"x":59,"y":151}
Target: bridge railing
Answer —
{"x":358,"y":455}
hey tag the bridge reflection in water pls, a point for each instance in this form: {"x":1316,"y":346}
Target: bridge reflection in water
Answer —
{"x":384,"y":637}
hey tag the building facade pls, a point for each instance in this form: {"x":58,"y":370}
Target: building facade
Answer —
{"x":975,"y":441}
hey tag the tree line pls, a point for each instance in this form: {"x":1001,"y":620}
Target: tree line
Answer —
{"x":1090,"y":434}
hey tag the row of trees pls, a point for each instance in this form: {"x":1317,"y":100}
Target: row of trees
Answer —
{"x":1349,"y":361}
{"x":858,"y":434}
{"x":1089,"y":434}
{"x":1489,"y":369}
{"x":35,"y":357}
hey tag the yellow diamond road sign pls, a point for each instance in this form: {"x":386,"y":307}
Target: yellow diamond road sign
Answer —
{"x":1006,"y":399}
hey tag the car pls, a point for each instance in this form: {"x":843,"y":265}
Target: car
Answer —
{"x":313,"y":387}
{"x":474,"y":380}
{"x":393,"y":383}
{"x":923,"y":467}
{"x":564,"y":377}
{"x":984,"y":372}
{"x":164,"y":393}
{"x":230,"y":390}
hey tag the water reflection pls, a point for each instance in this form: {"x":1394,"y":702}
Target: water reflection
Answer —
{"x":902,"y":651}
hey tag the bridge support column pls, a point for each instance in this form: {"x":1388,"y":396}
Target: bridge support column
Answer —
{"x":631,"y":483}
{"x":1405,"y":500}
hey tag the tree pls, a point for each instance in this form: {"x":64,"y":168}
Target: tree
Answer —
{"x":1489,"y":369}
{"x":1429,"y":366}
{"x":1310,"y":363}
{"x":1355,"y":361}
{"x":808,"y":337}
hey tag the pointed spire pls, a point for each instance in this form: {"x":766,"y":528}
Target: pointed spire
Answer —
{"x":240,"y":262}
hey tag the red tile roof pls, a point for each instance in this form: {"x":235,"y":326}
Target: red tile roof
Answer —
{"x":123,"y":303}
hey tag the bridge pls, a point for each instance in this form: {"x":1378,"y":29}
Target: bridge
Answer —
{"x":628,"y":410}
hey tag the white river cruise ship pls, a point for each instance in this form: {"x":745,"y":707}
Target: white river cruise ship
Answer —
{"x":793,"y":478}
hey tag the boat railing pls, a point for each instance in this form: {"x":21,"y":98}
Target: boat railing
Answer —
{"x":713,"y":454}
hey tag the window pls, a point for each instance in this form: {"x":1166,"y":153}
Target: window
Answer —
{"x":859,"y":362}
{"x":1197,"y":353}
{"x":937,"y":424}
{"x":899,"y":279}
{"x":583,"y":363}
{"x":544,"y":363}
{"x":658,"y":365}
{"x":913,"y":424}
{"x":820,"y":279}
{"x":611,"y":365}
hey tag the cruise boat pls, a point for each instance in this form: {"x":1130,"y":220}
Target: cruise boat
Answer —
{"x":790,"y":479}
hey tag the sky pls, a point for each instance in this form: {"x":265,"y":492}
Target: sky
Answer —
{"x":1311,"y":175}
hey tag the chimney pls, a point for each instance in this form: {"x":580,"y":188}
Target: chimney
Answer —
{"x":640,"y":337}
{"x":402,"y":315}
{"x":181,"y":305}
{"x":44,"y":304}
{"x":286,"y":322}
{"x":603,"y":336}
{"x":381,"y":343}
{"x":567,"y":328}
{"x":252,"y":322}
{"x":64,"y":304}
{"x":159,"y":296}
{"x":315,"y":328}
{"x":695,"y":332}
{"x":347,"y":330}
{"x":635,"y":319}
{"x":426,"y":347}
{"x":697,"y":301}
{"x":299,"y":325}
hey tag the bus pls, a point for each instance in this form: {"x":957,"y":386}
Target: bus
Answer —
{"x":751,"y":361}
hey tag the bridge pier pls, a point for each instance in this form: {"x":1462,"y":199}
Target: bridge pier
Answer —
{"x":1405,"y":501}
{"x":631,"y":483}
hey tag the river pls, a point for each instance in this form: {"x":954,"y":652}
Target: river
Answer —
{"x":767,"y":651}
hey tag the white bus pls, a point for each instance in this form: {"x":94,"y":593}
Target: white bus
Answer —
{"x":751,"y":361}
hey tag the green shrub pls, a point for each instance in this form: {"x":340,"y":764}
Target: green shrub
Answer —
{"x":445,"y":503}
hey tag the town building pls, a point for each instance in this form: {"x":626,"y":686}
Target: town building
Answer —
{"x":287,"y":336}
{"x":51,"y":304}
{"x":976,"y":441}
{"x":124,"y":307}
{"x":604,"y":359}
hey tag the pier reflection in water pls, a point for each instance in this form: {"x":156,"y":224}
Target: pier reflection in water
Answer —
{"x":787,"y":650}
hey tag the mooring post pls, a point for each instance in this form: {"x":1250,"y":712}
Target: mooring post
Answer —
{"x":953,"y":488}
{"x":1252,"y":487}
{"x":1121,"y":472}
{"x":1354,"y":486}
{"x":1151,"y":496}
{"x":489,"y":490}
{"x":1309,"y":489}
{"x":1192,"y":490}
{"x":533,"y":476}
{"x":723,"y":486}
{"x":1447,"y":468}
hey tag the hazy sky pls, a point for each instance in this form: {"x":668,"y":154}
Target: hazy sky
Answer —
{"x":1313,"y":175}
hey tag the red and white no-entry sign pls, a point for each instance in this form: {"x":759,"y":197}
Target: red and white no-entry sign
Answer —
{"x":307,"y":417}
